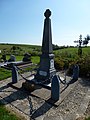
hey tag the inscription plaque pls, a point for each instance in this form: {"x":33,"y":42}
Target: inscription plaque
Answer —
{"x":43,"y":73}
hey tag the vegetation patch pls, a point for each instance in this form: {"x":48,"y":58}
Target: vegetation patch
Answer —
{"x":65,"y":57}
{"x":7,"y":73}
{"x":87,"y":118}
{"x":4,"y":73}
{"x":6,"y":115}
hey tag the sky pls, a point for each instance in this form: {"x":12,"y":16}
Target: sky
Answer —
{"x":22,"y":21}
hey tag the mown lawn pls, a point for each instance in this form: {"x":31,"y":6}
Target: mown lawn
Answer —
{"x":7,"y":73}
{"x":6,"y":115}
{"x":4,"y":73}
{"x":72,"y":51}
{"x":87,"y":118}
{"x":35,"y":59}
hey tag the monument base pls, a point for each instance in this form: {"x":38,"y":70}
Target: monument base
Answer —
{"x":46,"y":69}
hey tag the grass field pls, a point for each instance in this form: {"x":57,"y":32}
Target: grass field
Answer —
{"x":24,"y":47}
{"x":34,"y":50}
{"x":34,"y":59}
{"x":4,"y":73}
{"x":7,"y":73}
{"x":72,"y":51}
{"x":87,"y":118}
{"x":67,"y":53}
{"x":6,"y":115}
{"x":18,"y":49}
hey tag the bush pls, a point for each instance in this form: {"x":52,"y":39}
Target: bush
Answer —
{"x":59,"y":64}
{"x":84,"y":66}
{"x":67,"y":63}
{"x":87,"y":118}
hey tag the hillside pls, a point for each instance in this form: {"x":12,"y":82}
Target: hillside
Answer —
{"x":19,"y":49}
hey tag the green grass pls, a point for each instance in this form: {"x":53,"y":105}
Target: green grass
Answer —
{"x":6,"y":115}
{"x":18,"y":58}
{"x":69,"y":50}
{"x":87,"y":118}
{"x":4,"y":73}
{"x":7,"y":73}
{"x":72,"y":51}
{"x":34,"y":49}
{"x":35,"y":59}
{"x":19,"y":49}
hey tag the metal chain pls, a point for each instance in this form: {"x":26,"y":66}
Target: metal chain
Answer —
{"x":31,"y":107}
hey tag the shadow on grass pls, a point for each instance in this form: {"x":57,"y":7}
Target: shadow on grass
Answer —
{"x":6,"y":115}
{"x":87,"y":118}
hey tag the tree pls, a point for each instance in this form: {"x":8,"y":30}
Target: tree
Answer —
{"x":86,"y":41}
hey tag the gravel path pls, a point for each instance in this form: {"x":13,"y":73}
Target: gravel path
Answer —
{"x":87,"y":113}
{"x":70,"y":108}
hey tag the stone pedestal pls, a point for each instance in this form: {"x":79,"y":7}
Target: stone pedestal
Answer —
{"x":46,"y":69}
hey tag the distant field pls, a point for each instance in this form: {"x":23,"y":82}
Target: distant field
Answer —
{"x":19,"y":49}
{"x":8,"y":46}
{"x":71,"y":52}
{"x":34,"y":50}
{"x":63,"y":57}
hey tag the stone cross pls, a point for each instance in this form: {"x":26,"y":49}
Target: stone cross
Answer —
{"x":80,"y":43}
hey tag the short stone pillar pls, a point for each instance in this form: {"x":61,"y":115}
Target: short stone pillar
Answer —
{"x":4,"y":58}
{"x":14,"y":74}
{"x":75,"y":72}
{"x":46,"y":69}
{"x":12,"y":58}
{"x":27,"y":57}
{"x":55,"y":88}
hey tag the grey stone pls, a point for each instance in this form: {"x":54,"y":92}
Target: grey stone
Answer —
{"x":27,"y":57}
{"x":53,"y":118}
{"x":46,"y":69}
{"x":14,"y":74}
{"x":55,"y":88}
{"x":12,"y":58}
{"x":75,"y":72}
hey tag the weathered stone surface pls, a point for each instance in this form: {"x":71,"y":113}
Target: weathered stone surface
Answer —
{"x":46,"y":69}
{"x":74,"y":98}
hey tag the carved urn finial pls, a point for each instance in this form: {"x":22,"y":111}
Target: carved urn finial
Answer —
{"x":47,"y":13}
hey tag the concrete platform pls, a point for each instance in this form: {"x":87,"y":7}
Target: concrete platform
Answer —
{"x":12,"y":92}
{"x":15,"y":96}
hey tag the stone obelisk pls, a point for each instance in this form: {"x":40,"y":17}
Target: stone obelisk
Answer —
{"x":46,"y":69}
